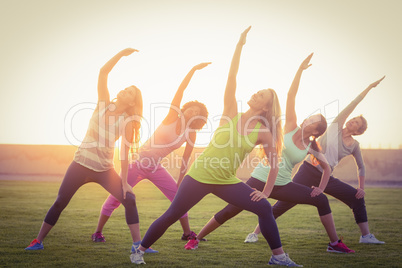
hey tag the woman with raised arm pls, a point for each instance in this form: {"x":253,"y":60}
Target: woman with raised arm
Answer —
{"x":298,"y":144}
{"x":337,"y":143}
{"x":214,"y":171}
{"x":93,"y":160}
{"x":178,"y":127}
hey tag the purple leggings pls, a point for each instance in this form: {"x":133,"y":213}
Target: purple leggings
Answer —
{"x":191,"y":192}
{"x":309,"y":175}
{"x":291,"y":192}
{"x":78,"y":175}
{"x":158,"y":175}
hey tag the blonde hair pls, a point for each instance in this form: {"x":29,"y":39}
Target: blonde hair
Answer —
{"x":272,"y":120}
{"x":363,"y":128}
{"x":136,"y":112}
{"x":315,"y":145}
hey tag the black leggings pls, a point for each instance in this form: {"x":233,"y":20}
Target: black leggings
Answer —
{"x":78,"y":175}
{"x":191,"y":192}
{"x":309,"y":175}
{"x":291,"y":192}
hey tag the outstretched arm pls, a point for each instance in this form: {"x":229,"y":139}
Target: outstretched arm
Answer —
{"x":229,"y":101}
{"x":343,"y":115}
{"x":175,"y":105}
{"x":103,"y":92}
{"x":291,"y":118}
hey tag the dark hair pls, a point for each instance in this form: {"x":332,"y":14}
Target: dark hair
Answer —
{"x":201,"y":119}
{"x":363,"y":128}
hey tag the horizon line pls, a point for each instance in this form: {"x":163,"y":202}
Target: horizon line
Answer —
{"x":198,"y":147}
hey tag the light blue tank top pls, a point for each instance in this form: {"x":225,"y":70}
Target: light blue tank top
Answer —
{"x":291,"y":155}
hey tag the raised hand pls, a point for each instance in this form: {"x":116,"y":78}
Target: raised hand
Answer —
{"x":306,"y":63}
{"x":201,"y":65}
{"x":244,"y":35}
{"x":128,"y":51}
{"x":374,"y":84}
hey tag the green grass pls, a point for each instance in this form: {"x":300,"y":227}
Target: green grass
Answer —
{"x":23,"y":206}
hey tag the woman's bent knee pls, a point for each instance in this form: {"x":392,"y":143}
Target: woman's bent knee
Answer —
{"x":129,"y":201}
{"x":322,"y":204}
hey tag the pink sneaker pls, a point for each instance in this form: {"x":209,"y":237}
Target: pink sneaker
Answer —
{"x":192,"y":244}
{"x":98,"y":237}
{"x":339,"y":248}
{"x":191,"y":236}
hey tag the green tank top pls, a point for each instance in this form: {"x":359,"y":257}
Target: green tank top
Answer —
{"x":218,"y":163}
{"x":291,"y":155}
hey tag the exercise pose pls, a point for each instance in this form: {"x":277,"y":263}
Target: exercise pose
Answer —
{"x":178,"y":127}
{"x":93,"y":161}
{"x":214,"y":171}
{"x":297,"y":145}
{"x":337,"y":143}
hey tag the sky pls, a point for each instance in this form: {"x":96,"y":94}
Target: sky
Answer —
{"x":51,"y":53}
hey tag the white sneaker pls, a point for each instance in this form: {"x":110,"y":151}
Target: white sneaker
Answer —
{"x":137,"y":257}
{"x":251,"y":238}
{"x":370,"y":239}
{"x":286,"y":262}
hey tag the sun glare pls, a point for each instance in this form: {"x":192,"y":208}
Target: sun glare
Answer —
{"x":56,"y":71}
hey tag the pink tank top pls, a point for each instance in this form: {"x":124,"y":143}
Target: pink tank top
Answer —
{"x":162,"y":142}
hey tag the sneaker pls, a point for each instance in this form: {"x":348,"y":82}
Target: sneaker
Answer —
{"x":286,"y":262}
{"x":191,"y":236}
{"x":370,"y":239}
{"x":251,"y":238}
{"x":339,"y":248}
{"x":35,"y":245}
{"x":137,"y":257}
{"x":98,"y":237}
{"x":136,"y":245}
{"x":192,"y":244}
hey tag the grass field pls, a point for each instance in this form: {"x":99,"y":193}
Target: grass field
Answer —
{"x":23,"y":206}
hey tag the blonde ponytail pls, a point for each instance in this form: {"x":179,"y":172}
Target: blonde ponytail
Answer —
{"x":272,"y":120}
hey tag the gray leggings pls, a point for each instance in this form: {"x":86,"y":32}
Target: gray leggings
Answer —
{"x":78,"y":175}
{"x":309,"y":175}
{"x":191,"y":192}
